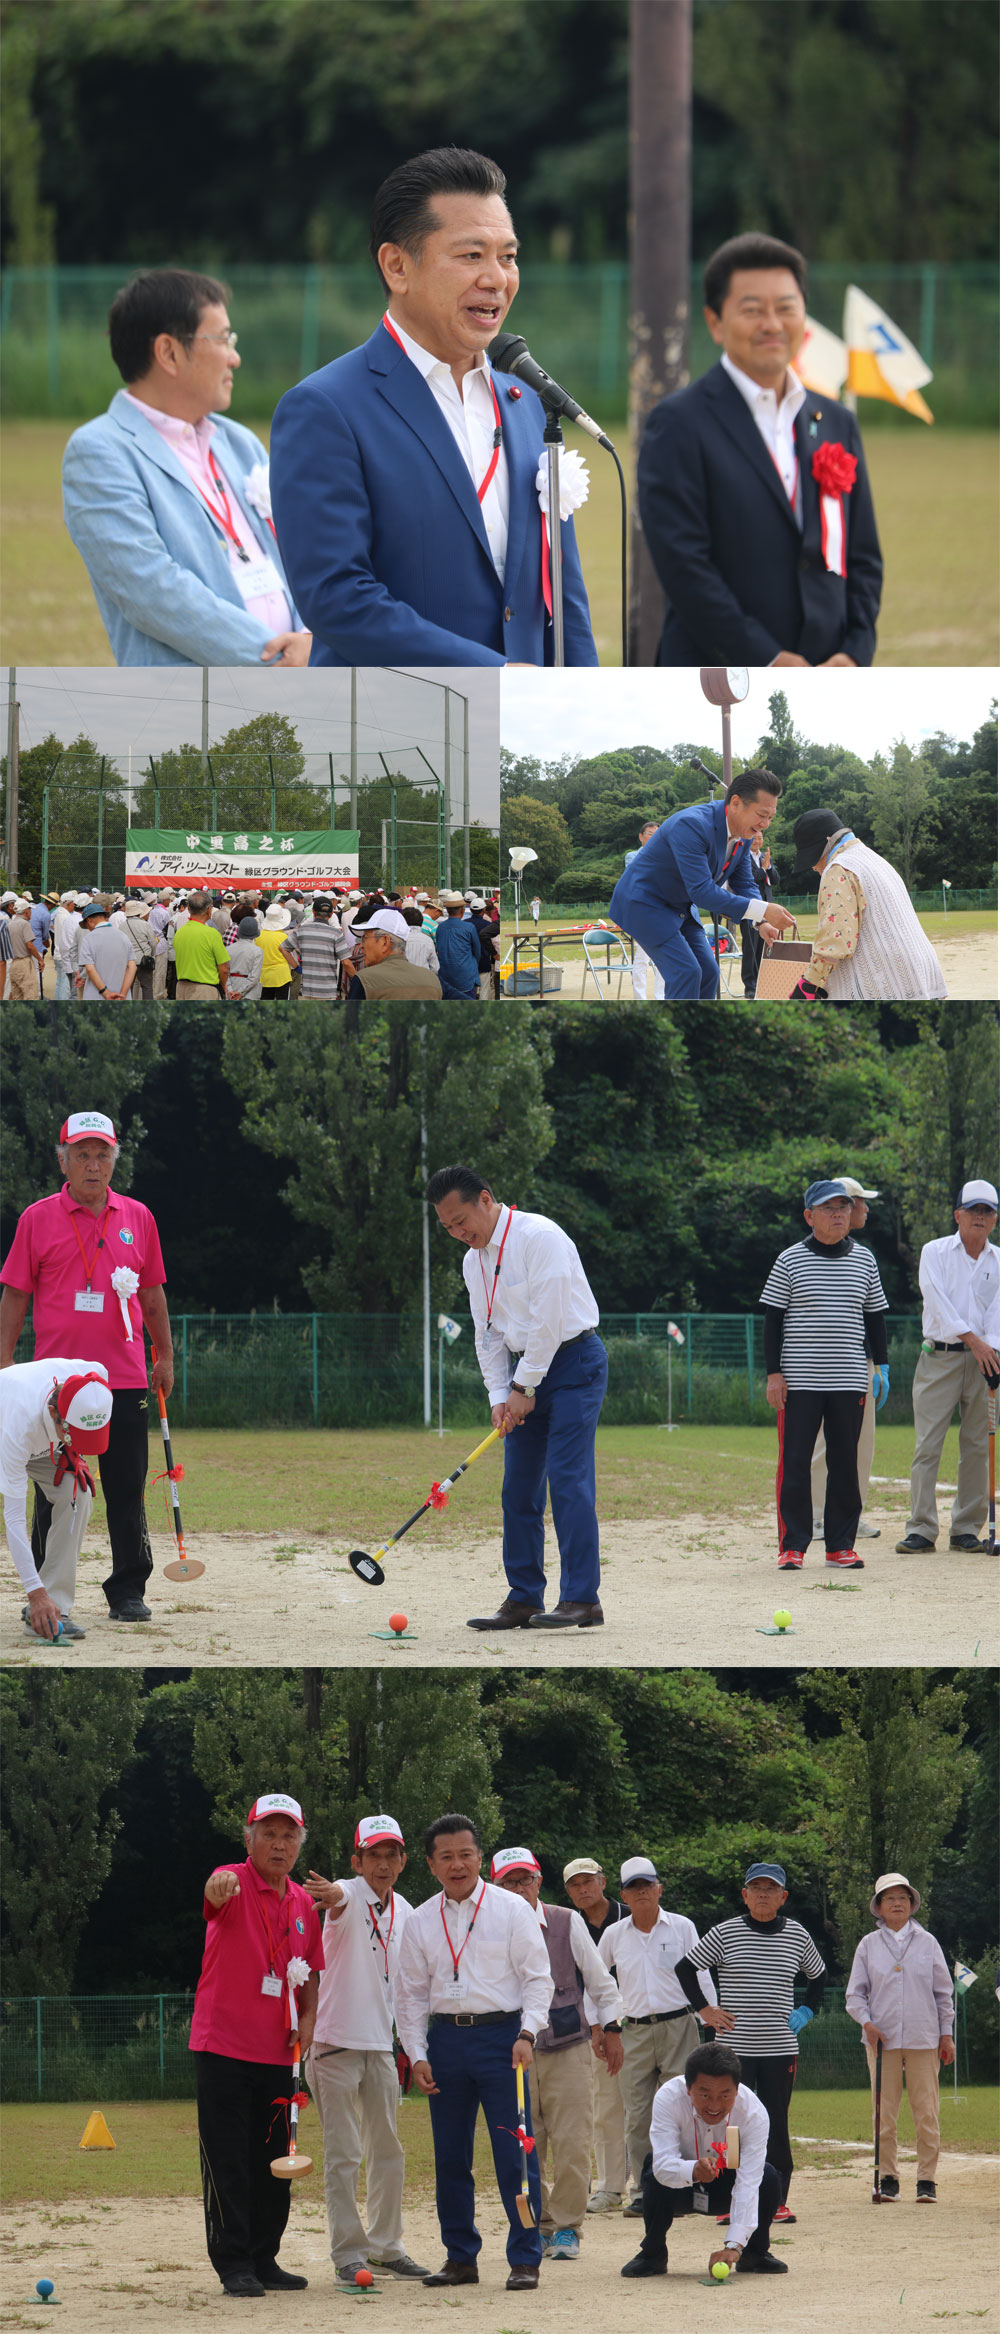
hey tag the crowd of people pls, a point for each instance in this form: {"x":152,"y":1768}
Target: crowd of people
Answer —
{"x":250,"y":947}
{"x":579,"y":2029}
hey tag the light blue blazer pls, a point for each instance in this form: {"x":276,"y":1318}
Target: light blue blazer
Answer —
{"x":159,"y":568}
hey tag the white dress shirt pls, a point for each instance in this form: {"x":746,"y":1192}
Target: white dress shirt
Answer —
{"x":356,"y":1988}
{"x":645,"y":1963}
{"x":26,"y":1433}
{"x":960,"y":1292}
{"x":602,"y":2002}
{"x":469,"y":414}
{"x":503,"y":1963}
{"x":677,"y":2141}
{"x":541,"y":1298}
{"x":775,"y":419}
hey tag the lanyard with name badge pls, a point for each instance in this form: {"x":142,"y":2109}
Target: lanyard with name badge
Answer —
{"x":720,"y":2150}
{"x":497,"y":426}
{"x":491,"y":1293}
{"x":456,"y":1957}
{"x":256,"y":575}
{"x":90,"y":1300}
{"x":272,"y":1983}
{"x":386,"y":1941}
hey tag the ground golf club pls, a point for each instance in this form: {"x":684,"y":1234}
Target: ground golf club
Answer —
{"x":368,"y":1567}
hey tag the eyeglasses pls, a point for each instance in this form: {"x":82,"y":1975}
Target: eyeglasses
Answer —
{"x":224,"y":339}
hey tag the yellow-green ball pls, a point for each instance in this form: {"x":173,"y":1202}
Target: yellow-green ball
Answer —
{"x":720,"y":2269}
{"x":782,"y":1620}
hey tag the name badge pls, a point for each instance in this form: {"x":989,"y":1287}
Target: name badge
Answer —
{"x":458,"y":1990}
{"x":88,"y":1301}
{"x":271,"y":1985}
{"x":257,"y":576}
{"x":700,"y":2200}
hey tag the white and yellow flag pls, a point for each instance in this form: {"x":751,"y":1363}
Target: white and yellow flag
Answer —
{"x":822,"y":360}
{"x":881,"y":362}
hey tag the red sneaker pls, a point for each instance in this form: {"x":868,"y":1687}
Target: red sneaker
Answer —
{"x":845,"y":1560}
{"x":783,"y":2213}
{"x":791,"y":1561}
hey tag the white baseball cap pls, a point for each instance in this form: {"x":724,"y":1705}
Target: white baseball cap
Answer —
{"x":854,"y":1189}
{"x":276,"y":1803}
{"x":637,"y":1868}
{"x":87,"y":1126}
{"x":581,"y":1867}
{"x":514,"y":1860}
{"x":374,"y":1828}
{"x":388,"y":920}
{"x":84,"y":1405}
{"x":976,"y":1195}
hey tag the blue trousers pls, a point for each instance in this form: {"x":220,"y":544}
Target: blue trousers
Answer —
{"x":472,"y":2065}
{"x":555,"y":1445}
{"x":679,"y":946}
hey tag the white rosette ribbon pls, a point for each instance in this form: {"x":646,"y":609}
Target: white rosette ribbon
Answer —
{"x":257,"y":489}
{"x":125,"y":1283}
{"x":296,"y":1974}
{"x":574,"y":484}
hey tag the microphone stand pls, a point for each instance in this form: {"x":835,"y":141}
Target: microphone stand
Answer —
{"x":555,"y":444}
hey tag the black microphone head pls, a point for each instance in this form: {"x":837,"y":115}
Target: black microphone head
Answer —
{"x":505,"y":349}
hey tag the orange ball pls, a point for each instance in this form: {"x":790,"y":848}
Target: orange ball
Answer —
{"x":363,"y":2277}
{"x":398,"y":1622}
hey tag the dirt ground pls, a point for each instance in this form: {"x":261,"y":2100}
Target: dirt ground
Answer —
{"x":969,"y":965}
{"x":682,"y":1592}
{"x":848,"y":2266}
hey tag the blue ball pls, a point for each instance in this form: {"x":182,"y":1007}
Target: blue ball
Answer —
{"x":45,"y":2286}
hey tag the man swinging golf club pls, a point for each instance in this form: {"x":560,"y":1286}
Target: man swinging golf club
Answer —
{"x":546,"y":1375}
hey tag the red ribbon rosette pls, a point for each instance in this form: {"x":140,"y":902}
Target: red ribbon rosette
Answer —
{"x":834,"y":469}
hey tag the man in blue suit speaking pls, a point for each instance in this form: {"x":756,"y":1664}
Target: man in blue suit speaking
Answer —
{"x":404,"y":474}
{"x":167,"y":501}
{"x":699,"y":858}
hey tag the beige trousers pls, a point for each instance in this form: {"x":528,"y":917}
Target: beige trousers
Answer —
{"x":161,"y":965}
{"x":866,"y":1453}
{"x":356,"y":2092}
{"x":23,"y":980}
{"x":57,"y":1571}
{"x":609,"y":2130}
{"x":562,"y":2119}
{"x":923,"y":2092}
{"x":652,"y":2053}
{"x":940,"y":1381}
{"x":199,"y":992}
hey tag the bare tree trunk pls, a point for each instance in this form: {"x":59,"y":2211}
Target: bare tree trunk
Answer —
{"x":660,"y":143}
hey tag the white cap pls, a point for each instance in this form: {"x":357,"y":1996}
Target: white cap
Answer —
{"x":637,"y":1868}
{"x":976,"y":1195}
{"x":854,"y":1189}
{"x":387,"y":920}
{"x":373,"y":1828}
{"x":87,"y":1126}
{"x":66,"y":895}
{"x":276,"y":1803}
{"x":513,"y":1860}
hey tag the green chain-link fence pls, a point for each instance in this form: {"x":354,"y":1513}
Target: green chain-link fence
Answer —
{"x":575,"y":319}
{"x":342,"y":1369}
{"x":100,"y":2047}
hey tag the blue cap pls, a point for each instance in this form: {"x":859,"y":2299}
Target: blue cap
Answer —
{"x":818,"y":1192}
{"x":766,"y":1872}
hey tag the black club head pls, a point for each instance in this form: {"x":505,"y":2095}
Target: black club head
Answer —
{"x":366,"y":1568}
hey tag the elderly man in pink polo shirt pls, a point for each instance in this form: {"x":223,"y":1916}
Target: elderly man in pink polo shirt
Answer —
{"x":88,"y":1261}
{"x":259,"y":1980}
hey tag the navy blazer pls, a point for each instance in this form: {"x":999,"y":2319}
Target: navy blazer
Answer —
{"x":381,"y":529}
{"x":742,"y":580}
{"x":681,"y":867}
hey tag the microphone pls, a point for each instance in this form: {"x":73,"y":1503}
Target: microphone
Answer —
{"x":508,"y":353}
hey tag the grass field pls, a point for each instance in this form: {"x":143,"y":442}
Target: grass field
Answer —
{"x":156,"y":2146}
{"x":298,"y":1483}
{"x":935,"y":494}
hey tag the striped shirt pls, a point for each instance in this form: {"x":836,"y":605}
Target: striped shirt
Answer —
{"x":824,"y":1294}
{"x":756,"y":1969}
{"x":321,"y":949}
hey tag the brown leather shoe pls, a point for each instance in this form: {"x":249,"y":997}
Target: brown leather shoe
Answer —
{"x":510,"y":1616}
{"x":455,"y":2273}
{"x":564,"y":1616}
{"x":521,"y":2277}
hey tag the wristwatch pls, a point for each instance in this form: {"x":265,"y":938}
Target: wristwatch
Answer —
{"x":514,"y":1388}
{"x":613,"y":2026}
{"x":524,"y":2036}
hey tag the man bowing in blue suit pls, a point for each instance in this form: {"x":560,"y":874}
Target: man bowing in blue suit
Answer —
{"x":753,"y":492}
{"x":404,"y":474}
{"x":699,"y":858}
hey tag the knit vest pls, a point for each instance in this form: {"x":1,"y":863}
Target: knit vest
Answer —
{"x":893,"y":957}
{"x":568,"y":1995}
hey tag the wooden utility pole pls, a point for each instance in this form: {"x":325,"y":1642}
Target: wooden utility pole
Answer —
{"x":660,"y":156}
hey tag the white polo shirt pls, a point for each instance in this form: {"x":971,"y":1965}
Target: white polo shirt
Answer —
{"x":960,"y":1292}
{"x":361,"y":1949}
{"x":645,"y":1963}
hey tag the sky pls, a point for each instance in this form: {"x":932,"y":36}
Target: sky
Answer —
{"x":149,"y":709}
{"x":582,"y":713}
